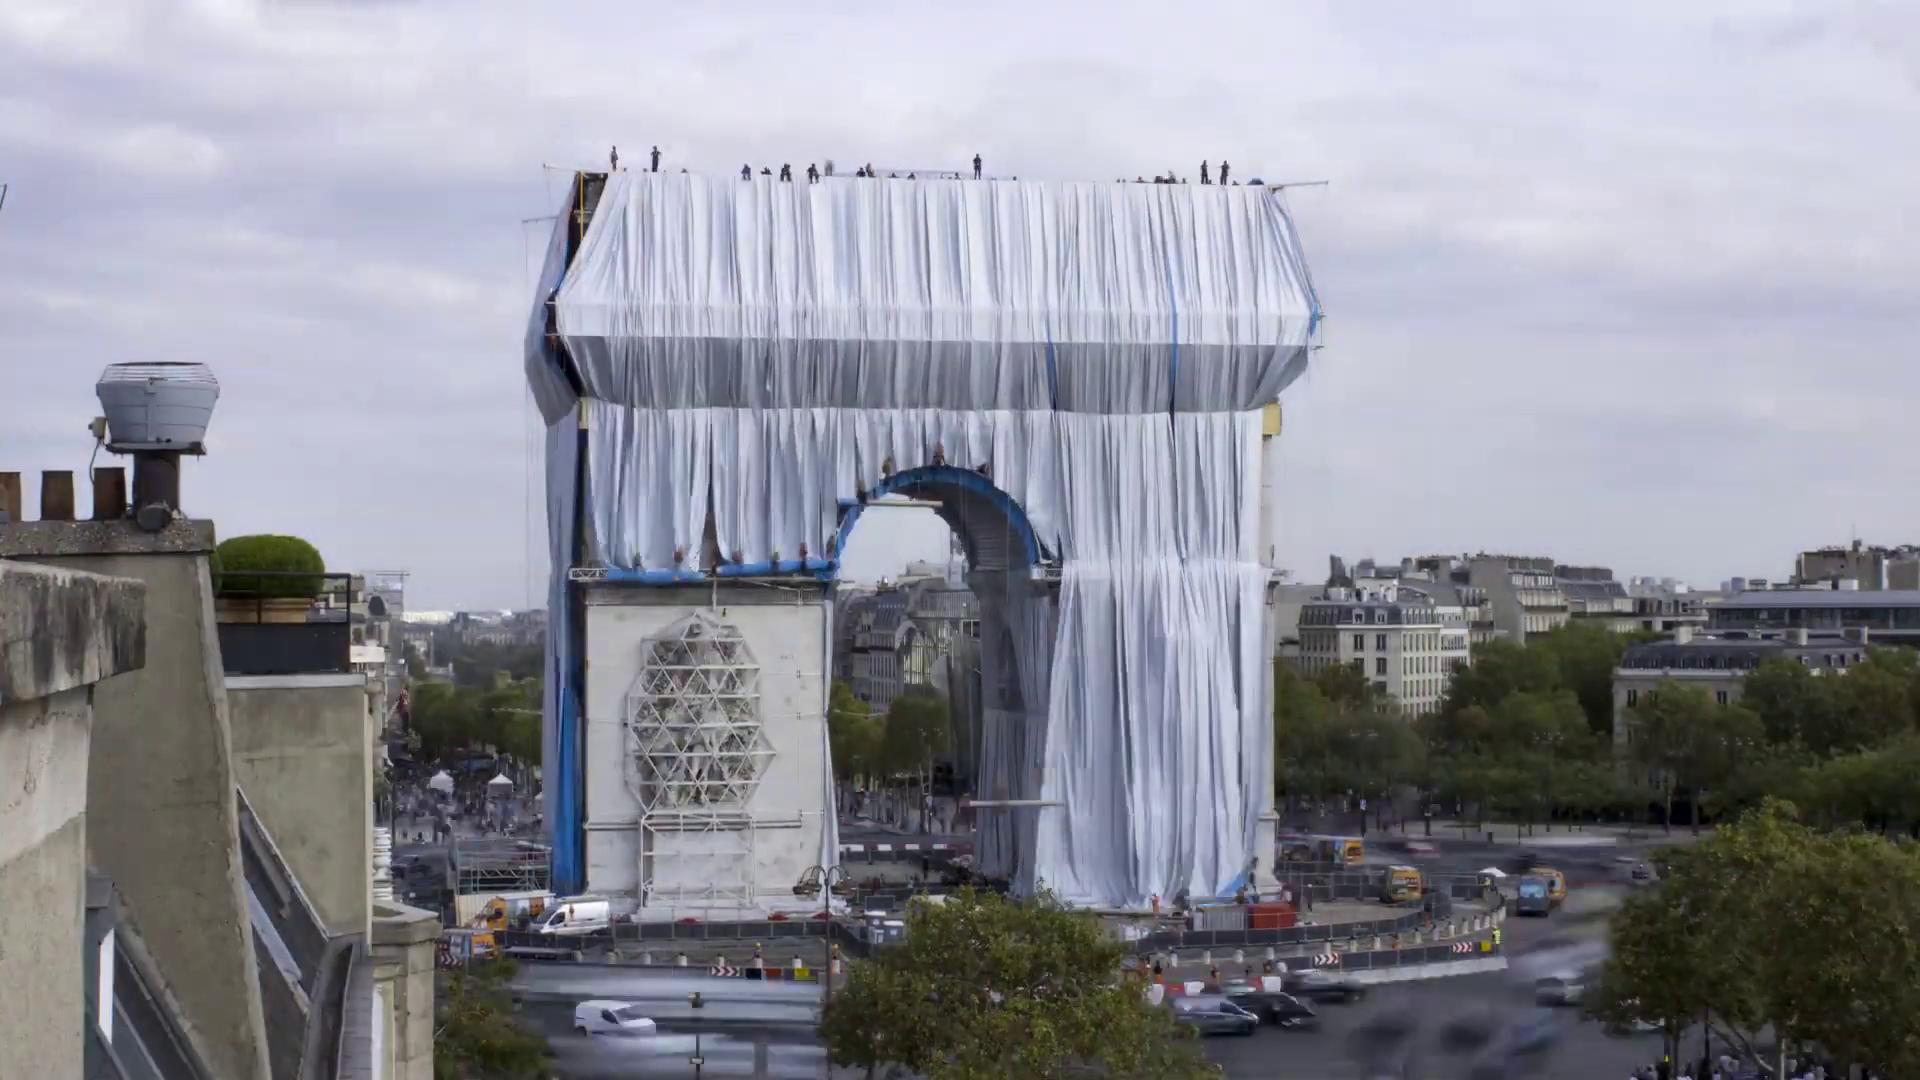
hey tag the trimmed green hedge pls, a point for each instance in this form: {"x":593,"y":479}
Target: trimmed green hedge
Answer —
{"x":267,"y":552}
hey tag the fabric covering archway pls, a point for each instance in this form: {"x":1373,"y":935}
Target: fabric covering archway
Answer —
{"x":753,"y":356}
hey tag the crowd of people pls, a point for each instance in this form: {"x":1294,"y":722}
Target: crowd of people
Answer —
{"x":814,"y":172}
{"x":1725,"y":1067}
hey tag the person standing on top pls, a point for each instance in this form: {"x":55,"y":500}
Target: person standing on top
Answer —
{"x":656,"y":159}
{"x":613,"y":160}
{"x":976,"y":166}
{"x":786,"y":173}
{"x":1223,"y":171}
{"x":1203,"y":173}
{"x":813,"y":174}
{"x":746,"y":172}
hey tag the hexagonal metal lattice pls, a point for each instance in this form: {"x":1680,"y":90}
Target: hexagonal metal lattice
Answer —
{"x":694,"y":718}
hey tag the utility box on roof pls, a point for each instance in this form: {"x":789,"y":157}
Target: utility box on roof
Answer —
{"x":157,"y":406}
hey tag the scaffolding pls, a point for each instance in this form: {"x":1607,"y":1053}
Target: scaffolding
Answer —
{"x":696,"y":753}
{"x":493,"y":864}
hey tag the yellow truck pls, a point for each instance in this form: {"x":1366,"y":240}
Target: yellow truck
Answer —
{"x":500,"y":910}
{"x":1402,"y":883}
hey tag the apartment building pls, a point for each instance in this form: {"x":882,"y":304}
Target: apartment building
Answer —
{"x":1595,"y":598}
{"x":1403,"y":642}
{"x":1524,"y":592}
{"x":1868,"y":568}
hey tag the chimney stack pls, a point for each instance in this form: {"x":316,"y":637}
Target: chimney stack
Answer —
{"x":1797,"y":635}
{"x":1682,"y":635}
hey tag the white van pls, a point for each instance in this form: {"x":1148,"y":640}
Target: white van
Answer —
{"x":611,"y":1017}
{"x":578,"y":915}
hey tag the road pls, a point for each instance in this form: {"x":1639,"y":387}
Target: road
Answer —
{"x":1400,"y":1025}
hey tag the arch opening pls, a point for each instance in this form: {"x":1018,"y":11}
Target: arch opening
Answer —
{"x":996,"y":674}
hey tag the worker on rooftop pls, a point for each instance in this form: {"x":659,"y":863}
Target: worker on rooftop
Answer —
{"x":813,"y":174}
{"x":976,"y":166}
{"x":656,"y":159}
{"x":1223,"y":170}
{"x":746,"y":172}
{"x":1203,"y":173}
{"x":613,"y":160}
{"x":786,"y":173}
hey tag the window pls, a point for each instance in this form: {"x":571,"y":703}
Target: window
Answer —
{"x":1359,"y":643}
{"x":1380,"y":665}
{"x":1380,"y":615}
{"x":1633,"y":698}
{"x":1720,"y":696}
{"x":1380,"y":642}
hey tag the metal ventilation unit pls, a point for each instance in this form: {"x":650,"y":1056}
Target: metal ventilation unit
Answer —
{"x":156,"y":412}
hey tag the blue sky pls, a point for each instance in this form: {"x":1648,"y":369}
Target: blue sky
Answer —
{"x":1635,"y":286}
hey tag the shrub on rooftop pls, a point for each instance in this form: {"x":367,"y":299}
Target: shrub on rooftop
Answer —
{"x":276,"y":556}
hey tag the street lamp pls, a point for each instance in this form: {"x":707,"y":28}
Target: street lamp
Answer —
{"x":826,"y":910}
{"x":698,"y":1060}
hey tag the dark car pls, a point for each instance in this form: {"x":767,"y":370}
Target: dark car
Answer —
{"x":1322,"y":986}
{"x":1212,"y":1014}
{"x":1276,"y":1008}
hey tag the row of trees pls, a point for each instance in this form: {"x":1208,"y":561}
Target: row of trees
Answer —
{"x":902,"y":741}
{"x":1782,"y":939}
{"x":1523,"y":734}
{"x":1526,"y":733}
{"x":1842,"y":745}
{"x":449,"y":718}
{"x":892,"y":752}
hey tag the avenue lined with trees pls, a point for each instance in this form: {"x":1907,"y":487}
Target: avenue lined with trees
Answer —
{"x":1525,"y":735}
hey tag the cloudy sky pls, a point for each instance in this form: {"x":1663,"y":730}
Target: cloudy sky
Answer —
{"x":1639,"y":288}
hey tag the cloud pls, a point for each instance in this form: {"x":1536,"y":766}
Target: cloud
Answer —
{"x":1600,"y":282}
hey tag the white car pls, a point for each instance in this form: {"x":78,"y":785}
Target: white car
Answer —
{"x":610,"y":1018}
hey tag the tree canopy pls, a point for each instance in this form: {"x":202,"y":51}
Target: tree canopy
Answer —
{"x":1773,"y":924}
{"x":853,"y":735}
{"x":985,"y":987}
{"x":449,"y":718}
{"x":475,"y":1036}
{"x":1333,"y":733}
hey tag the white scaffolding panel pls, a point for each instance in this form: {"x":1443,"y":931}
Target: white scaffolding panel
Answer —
{"x":696,"y":753}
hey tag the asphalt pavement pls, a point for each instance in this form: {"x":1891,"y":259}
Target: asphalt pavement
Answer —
{"x":1483,"y":1027}
{"x":1469,"y":1026}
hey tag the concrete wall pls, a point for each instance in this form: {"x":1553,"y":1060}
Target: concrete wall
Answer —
{"x":161,"y":817}
{"x":302,"y":754}
{"x":786,"y":629}
{"x":404,"y":939}
{"x":60,"y":632}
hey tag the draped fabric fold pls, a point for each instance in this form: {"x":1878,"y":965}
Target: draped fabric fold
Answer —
{"x":757,"y":354}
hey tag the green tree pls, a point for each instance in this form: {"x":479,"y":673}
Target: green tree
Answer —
{"x":917,"y":727}
{"x":475,"y":1036}
{"x":1585,"y":657}
{"x":853,"y":734}
{"x":985,"y":987}
{"x":1692,"y":741}
{"x":506,"y":717}
{"x":1769,"y":923}
{"x":1501,"y":668}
